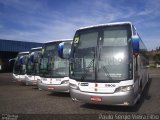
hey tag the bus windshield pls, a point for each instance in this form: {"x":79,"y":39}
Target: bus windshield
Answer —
{"x":16,"y":68}
{"x":102,"y":55}
{"x":32,"y":66}
{"x":52,"y":65}
{"x":20,"y":65}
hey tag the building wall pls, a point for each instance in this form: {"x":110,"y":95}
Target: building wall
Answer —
{"x":17,"y":46}
{"x":0,"y":64}
{"x":9,"y":49}
{"x":7,"y":66}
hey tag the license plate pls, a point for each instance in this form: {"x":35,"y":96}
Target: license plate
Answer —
{"x":34,"y":83}
{"x":96,"y":98}
{"x":50,"y":88}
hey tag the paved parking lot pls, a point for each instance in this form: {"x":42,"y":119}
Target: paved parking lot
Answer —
{"x":19,"y":99}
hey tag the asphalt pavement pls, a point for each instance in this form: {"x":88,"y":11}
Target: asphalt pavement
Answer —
{"x":24,"y":101}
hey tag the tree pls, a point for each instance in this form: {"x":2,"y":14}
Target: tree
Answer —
{"x":156,"y":58}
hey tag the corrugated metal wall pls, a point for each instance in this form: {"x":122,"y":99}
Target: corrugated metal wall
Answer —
{"x":9,"y":49}
{"x":17,"y":46}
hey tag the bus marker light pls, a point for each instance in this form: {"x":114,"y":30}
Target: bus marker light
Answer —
{"x":34,"y":83}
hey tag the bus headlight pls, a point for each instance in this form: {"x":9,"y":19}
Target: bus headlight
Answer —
{"x":124,"y":88}
{"x":65,"y":82}
{"x":73,"y":86}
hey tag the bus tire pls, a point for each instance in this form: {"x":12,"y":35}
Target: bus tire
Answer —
{"x":148,"y":78}
{"x":139,"y":93}
{"x":140,"y":88}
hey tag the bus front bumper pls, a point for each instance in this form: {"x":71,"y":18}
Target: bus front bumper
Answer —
{"x":21,"y":79}
{"x":54,"y":87}
{"x":119,"y":98}
{"x":15,"y":76}
{"x":30,"y":81}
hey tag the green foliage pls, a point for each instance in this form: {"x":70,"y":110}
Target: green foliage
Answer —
{"x":156,"y":58}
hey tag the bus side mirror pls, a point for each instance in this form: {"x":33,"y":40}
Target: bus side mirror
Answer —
{"x":135,"y":45}
{"x":33,"y":57}
{"x":64,"y":49}
{"x":22,"y":60}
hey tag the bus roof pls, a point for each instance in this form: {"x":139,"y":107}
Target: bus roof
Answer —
{"x":60,"y":40}
{"x":36,"y":48}
{"x":20,"y":53}
{"x":107,"y":24}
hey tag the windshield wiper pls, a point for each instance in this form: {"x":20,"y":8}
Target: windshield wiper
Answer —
{"x":86,"y":70}
{"x":104,"y":67}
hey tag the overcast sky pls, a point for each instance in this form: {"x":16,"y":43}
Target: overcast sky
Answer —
{"x":45,"y":20}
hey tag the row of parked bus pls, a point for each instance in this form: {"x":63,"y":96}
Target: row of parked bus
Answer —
{"x":103,"y":64}
{"x":44,"y":67}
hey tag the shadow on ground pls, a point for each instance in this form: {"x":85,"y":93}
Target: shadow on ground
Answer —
{"x":59,"y":94}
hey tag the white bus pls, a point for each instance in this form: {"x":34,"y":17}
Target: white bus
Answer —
{"x":32,"y":68}
{"x":54,"y":70}
{"x":19,"y":69}
{"x":108,"y":65}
